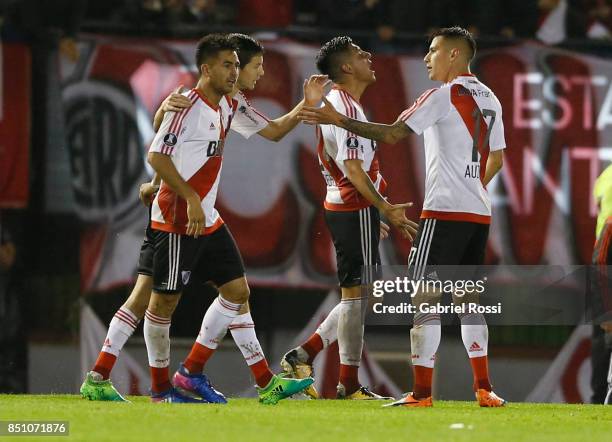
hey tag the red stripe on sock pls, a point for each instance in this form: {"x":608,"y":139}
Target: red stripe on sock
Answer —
{"x":349,"y":378}
{"x":104,"y":364}
{"x":480,"y":368}
{"x":228,"y":305}
{"x":234,"y":327}
{"x":313,"y":346}
{"x":197,"y":358}
{"x":156,"y":319}
{"x":120,"y":314}
{"x":422,"y":382}
{"x":160,"y":379}
{"x":262,"y":373}
{"x":125,"y":321}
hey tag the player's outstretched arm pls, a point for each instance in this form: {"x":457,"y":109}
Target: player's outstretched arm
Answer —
{"x":385,"y":133}
{"x":165,"y":168}
{"x":494,"y":165}
{"x":395,"y":213}
{"x":175,"y":102}
{"x":314,"y":89}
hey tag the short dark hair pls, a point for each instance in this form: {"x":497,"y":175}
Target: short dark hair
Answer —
{"x":457,"y":33}
{"x":210,"y":45}
{"x":328,"y":58}
{"x":246,"y":47}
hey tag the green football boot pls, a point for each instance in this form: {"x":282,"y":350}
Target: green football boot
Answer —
{"x":99,"y":390}
{"x":280,"y":388}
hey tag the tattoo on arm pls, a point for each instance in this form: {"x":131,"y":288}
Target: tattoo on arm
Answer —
{"x":387,"y":133}
{"x":375,"y":193}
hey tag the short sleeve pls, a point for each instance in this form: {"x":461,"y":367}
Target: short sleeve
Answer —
{"x":247,"y":120}
{"x":427,"y":110}
{"x":497,"y":140}
{"x":170,"y":133}
{"x":350,"y":145}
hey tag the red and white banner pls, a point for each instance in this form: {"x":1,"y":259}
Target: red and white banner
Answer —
{"x":568,"y":379}
{"x":15,"y":86}
{"x":557,"y":117}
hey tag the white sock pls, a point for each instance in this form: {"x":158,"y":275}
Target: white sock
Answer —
{"x":243,"y":332}
{"x":350,"y":330}
{"x":425,"y":339}
{"x":120,"y":329}
{"x":157,"y":337}
{"x":475,"y":334}
{"x":217,"y":319}
{"x":328,"y":329}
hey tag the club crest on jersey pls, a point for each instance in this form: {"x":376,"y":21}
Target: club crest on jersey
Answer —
{"x":185,"y":275}
{"x":352,"y":142}
{"x":170,"y":139}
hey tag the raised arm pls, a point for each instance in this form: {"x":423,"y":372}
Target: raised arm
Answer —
{"x":385,"y":133}
{"x":281,"y":126}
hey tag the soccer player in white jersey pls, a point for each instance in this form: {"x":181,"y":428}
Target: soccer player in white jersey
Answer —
{"x":464,"y":140}
{"x":247,"y":121}
{"x":353,"y":207}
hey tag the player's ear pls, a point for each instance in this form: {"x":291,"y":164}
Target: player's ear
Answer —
{"x":204,"y":70}
{"x":346,"y":68}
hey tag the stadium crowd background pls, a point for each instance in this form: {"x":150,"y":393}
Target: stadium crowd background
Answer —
{"x":40,"y":297}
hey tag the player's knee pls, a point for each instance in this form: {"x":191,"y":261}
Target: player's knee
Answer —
{"x":242,"y":295}
{"x":137,"y":307}
{"x":163,"y":305}
{"x":238,"y":295}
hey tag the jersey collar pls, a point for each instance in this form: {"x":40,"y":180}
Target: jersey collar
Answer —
{"x":205,"y":100}
{"x":338,"y":88}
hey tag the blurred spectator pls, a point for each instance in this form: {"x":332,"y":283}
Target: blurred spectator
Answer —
{"x":364,"y":15}
{"x":266,"y":13}
{"x":601,"y":344}
{"x":600,"y":19}
{"x":107,"y":10}
{"x":189,"y":12}
{"x":503,"y":18}
{"x":163,"y":13}
{"x":48,"y":22}
{"x":13,"y":344}
{"x":559,"y":20}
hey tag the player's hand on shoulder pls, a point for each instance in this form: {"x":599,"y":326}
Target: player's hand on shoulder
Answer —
{"x":320,"y":115}
{"x":314,"y":89}
{"x":146,"y":192}
{"x":176,"y":102}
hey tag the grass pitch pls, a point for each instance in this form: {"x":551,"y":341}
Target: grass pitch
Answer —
{"x":313,"y":421}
